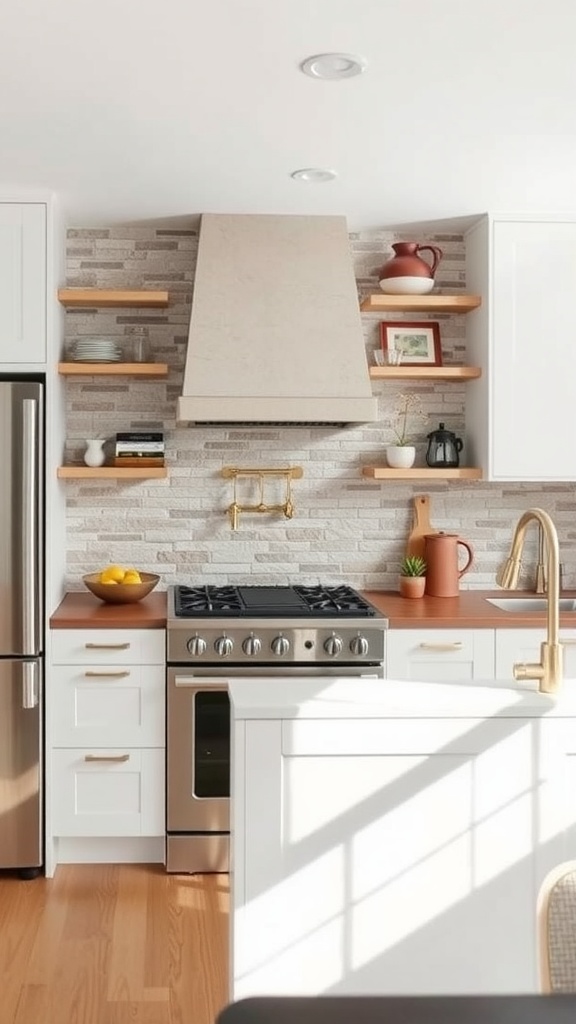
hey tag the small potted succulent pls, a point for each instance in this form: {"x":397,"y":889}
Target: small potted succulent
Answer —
{"x":401,"y":453}
{"x":413,"y":576}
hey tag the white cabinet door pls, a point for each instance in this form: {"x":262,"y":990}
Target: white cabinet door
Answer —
{"x":111,"y":705}
{"x":22,"y":283}
{"x":108,"y":792}
{"x":523,"y":645}
{"x":440,"y":655}
{"x":521,"y":338}
{"x":398,"y":855}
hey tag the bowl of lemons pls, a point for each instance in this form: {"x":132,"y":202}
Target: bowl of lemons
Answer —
{"x":119,"y":585}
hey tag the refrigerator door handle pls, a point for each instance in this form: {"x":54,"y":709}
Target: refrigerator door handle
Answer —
{"x":29,"y":537}
{"x":29,"y":685}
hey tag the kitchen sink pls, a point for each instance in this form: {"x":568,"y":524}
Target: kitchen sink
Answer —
{"x":530,"y":604}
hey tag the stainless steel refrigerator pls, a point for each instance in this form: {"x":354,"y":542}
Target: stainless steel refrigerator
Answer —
{"x":21,"y":623}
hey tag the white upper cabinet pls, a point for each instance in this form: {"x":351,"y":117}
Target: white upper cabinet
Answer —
{"x":520,"y":413}
{"x":22,"y":283}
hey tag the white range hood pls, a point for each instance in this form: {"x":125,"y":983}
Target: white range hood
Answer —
{"x":275,"y":331}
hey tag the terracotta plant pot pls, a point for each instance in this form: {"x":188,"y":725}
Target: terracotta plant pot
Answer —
{"x":412,"y":586}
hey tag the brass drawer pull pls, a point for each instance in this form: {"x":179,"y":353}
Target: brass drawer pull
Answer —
{"x":116,"y":758}
{"x":107,"y":647}
{"x":455,"y":646}
{"x":106,"y":675}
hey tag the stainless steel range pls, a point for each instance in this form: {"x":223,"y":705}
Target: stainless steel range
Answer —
{"x":215,"y":633}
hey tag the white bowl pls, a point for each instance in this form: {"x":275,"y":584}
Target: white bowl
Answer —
{"x":407,"y":285}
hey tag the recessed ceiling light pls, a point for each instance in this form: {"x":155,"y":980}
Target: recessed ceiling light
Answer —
{"x":333,"y":65}
{"x":314,"y":174}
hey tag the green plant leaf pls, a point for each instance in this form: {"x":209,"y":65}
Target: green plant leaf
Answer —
{"x":413,"y":565}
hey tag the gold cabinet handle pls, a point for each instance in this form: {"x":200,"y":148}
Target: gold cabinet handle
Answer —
{"x":107,"y":647}
{"x":106,"y":675}
{"x":116,"y":758}
{"x":455,"y":646}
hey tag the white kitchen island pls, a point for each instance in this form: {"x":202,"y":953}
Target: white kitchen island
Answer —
{"x":390,"y":837}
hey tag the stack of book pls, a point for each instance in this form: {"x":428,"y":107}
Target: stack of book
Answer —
{"x":137,"y":448}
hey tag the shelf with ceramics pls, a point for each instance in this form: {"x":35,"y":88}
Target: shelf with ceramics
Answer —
{"x":76,"y":369}
{"x":111,"y":473}
{"x":378,"y":302}
{"x":421,"y":473}
{"x":113,"y":297}
{"x":407,"y":282}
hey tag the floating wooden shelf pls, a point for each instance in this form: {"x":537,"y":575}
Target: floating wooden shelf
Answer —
{"x":425,"y":372}
{"x":114,"y":369}
{"x":112,"y":297}
{"x":384,"y":473}
{"x":110,"y":473}
{"x":381,"y":303}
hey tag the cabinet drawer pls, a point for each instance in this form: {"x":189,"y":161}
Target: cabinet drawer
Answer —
{"x":92,"y":796}
{"x":440,"y":655}
{"x":108,"y":705}
{"x":108,"y":646}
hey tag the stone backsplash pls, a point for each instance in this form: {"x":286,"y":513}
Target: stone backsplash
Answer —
{"x":346,"y":528}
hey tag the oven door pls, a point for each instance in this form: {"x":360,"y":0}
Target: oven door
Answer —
{"x":198,"y":750}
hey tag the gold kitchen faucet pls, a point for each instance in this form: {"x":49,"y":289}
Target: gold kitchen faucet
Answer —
{"x":549,"y":670}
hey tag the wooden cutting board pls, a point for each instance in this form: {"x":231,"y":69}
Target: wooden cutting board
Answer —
{"x":415,"y":545}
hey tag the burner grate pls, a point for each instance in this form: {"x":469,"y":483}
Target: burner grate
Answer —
{"x":291,"y":602}
{"x":210,"y":600}
{"x":341,"y":600}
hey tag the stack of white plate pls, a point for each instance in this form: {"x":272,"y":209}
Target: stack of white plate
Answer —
{"x":96,"y":350}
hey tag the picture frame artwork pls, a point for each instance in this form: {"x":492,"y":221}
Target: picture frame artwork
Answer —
{"x":419,"y":343}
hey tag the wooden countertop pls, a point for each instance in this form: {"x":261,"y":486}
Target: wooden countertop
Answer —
{"x":470,"y":610}
{"x":84,"y":611}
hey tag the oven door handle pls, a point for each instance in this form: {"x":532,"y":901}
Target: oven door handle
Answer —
{"x":200,"y":682}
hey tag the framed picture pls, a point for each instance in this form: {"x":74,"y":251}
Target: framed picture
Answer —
{"x":419,"y":343}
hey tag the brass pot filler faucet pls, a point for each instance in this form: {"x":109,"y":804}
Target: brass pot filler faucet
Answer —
{"x":286,"y":507}
{"x":549,"y":670}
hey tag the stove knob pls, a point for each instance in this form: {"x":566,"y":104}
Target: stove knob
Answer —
{"x":223,"y":646}
{"x":280,"y":645}
{"x":251,"y":645}
{"x":333,"y":646}
{"x":196,"y":645}
{"x":359,"y":645}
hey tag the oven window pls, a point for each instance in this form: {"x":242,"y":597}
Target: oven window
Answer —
{"x":211,"y":744}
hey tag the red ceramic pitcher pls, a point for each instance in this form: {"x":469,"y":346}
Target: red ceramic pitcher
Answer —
{"x":406,"y":273}
{"x":443,"y":569}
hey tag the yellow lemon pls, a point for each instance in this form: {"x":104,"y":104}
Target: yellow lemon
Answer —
{"x":132,"y":576}
{"x":114,"y":573}
{"x":109,"y":583}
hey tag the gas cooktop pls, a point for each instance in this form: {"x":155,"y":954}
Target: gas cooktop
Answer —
{"x":271,"y":602}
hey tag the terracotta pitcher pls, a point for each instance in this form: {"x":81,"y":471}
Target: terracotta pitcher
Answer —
{"x":441,"y":552}
{"x":406,"y":273}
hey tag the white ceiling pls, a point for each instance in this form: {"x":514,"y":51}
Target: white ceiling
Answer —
{"x":139,"y":109}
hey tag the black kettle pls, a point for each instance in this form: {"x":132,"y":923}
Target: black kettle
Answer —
{"x":443,"y":448}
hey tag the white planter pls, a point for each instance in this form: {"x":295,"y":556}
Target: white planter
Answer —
{"x":400,"y":456}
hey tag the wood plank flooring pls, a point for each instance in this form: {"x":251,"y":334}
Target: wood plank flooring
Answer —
{"x":113,"y":944}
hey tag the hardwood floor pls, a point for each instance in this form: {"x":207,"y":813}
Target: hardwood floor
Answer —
{"x":113,"y":944}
